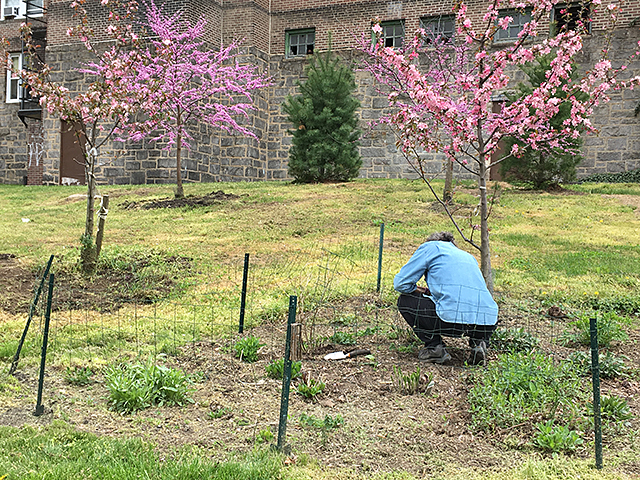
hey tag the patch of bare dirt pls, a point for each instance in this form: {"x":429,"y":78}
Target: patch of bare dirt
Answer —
{"x":17,"y":284}
{"x":629,"y":200}
{"x":107,"y":290}
{"x":192,"y":201}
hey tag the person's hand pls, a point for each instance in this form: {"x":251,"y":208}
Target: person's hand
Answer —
{"x":422,"y":290}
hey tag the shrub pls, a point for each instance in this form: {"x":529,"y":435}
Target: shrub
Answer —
{"x":276,"y":369}
{"x":631,"y":176}
{"x":520,"y":386}
{"x":136,"y":387}
{"x":608,"y":326}
{"x":556,"y":438}
{"x":247,"y":349}
{"x":513,"y":340}
{"x":542,"y":168}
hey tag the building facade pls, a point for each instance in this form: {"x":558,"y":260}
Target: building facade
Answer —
{"x":278,"y":36}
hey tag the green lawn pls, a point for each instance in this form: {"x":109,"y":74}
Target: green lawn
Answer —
{"x":576,"y":249}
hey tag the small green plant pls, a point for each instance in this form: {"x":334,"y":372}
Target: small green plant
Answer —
{"x":513,"y":340}
{"x":78,"y":375}
{"x":326,"y":424}
{"x":219,"y":413}
{"x":136,"y":387}
{"x":343,"y":338}
{"x":310,"y":388}
{"x":276,"y":369}
{"x":410,"y":383}
{"x":264,"y":436}
{"x":246,"y":349}
{"x":556,"y":438}
{"x":609,"y":329}
{"x":613,"y":409}
{"x":610,"y":365}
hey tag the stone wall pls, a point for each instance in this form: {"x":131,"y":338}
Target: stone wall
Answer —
{"x":217,"y":156}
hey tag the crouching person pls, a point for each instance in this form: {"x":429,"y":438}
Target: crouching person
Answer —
{"x":455,"y":302}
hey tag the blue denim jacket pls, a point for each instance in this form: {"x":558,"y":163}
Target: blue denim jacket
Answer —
{"x":454,"y":280}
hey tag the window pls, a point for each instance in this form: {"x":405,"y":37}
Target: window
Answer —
{"x":300,"y":43}
{"x":573,"y":16}
{"x":393,"y":33}
{"x":520,"y":19}
{"x":442,"y":28}
{"x":13,"y":78}
{"x":20,"y":8}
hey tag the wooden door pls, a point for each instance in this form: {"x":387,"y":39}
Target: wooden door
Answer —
{"x":71,"y":158}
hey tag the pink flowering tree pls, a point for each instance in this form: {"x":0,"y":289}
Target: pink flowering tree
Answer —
{"x":102,"y":105}
{"x":442,"y":94}
{"x":185,"y":81}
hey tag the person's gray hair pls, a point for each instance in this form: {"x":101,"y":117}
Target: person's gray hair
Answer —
{"x":441,"y":237}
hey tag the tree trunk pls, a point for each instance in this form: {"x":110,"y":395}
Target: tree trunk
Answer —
{"x":447,"y":194}
{"x":179,"y":189}
{"x":485,"y":249}
{"x":88,"y":257}
{"x":102,"y":217}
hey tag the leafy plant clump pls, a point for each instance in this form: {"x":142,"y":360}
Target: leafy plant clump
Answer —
{"x":276,"y":369}
{"x":310,"y":388}
{"x":556,"y":438}
{"x":326,"y":424}
{"x":325,"y":126}
{"x":343,"y":338}
{"x":513,"y":340}
{"x":246,"y":349}
{"x":139,"y":386}
{"x":608,"y":328}
{"x":412,"y":382}
{"x":610,"y":365}
{"x":612,"y":409}
{"x":78,"y":375}
{"x":519,"y":387}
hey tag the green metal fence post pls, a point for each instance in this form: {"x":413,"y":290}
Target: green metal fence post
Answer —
{"x":286,"y":377}
{"x":380,"y":247}
{"x":595,"y":371}
{"x":32,"y":309}
{"x":43,"y":358}
{"x":243,"y":298}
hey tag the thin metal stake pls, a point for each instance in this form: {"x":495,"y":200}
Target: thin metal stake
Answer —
{"x":243,"y":298}
{"x":32,"y":310}
{"x":595,"y":371}
{"x":286,"y":377}
{"x":380,"y":247}
{"x":45,"y":338}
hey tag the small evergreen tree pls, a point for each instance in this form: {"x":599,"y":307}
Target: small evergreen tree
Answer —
{"x":325,"y":134}
{"x":540,"y":169}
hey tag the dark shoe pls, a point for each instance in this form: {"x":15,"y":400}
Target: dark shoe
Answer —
{"x":437,"y":354}
{"x":478,"y":354}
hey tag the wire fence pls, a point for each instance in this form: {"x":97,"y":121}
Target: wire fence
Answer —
{"x":341,"y":301}
{"x":344,"y":298}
